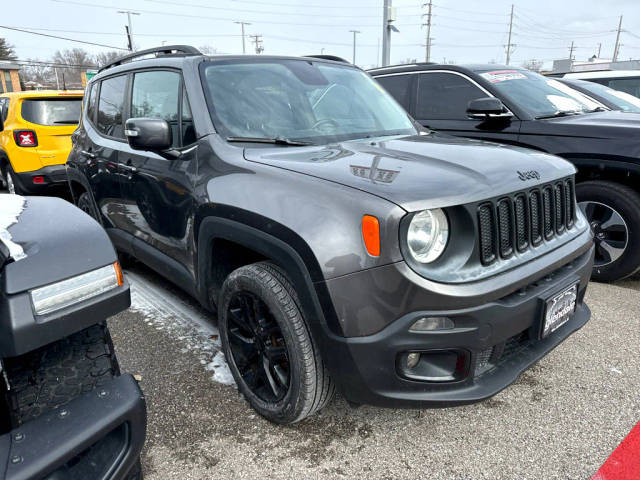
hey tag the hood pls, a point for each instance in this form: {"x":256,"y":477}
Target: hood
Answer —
{"x":419,"y":172}
{"x":603,"y":125}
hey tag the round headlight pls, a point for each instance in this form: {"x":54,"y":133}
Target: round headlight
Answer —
{"x":427,"y":235}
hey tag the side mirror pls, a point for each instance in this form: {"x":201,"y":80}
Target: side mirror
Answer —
{"x":151,"y":134}
{"x":485,"y":108}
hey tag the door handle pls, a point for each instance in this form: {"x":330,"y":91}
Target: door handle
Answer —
{"x":88,"y":154}
{"x":130,"y":167}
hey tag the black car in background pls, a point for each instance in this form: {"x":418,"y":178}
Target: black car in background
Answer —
{"x":613,"y":99}
{"x":66,"y":412}
{"x":519,"y":107}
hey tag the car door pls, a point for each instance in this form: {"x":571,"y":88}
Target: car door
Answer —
{"x":441,"y":103}
{"x":157,"y":191}
{"x":100,"y":142}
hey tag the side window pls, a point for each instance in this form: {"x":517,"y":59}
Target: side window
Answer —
{"x":628,"y":85}
{"x":188,"y":130}
{"x":91,"y":103}
{"x":445,"y":96}
{"x":398,"y":87}
{"x":111,"y":106}
{"x":155,"y":95}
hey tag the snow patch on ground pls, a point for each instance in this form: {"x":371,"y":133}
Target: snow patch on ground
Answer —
{"x":11,"y":207}
{"x":191,"y":329}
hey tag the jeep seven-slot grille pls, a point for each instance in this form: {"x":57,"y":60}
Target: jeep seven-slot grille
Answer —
{"x":518,"y":221}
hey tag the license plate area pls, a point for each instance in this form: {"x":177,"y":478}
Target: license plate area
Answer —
{"x":559,"y":309}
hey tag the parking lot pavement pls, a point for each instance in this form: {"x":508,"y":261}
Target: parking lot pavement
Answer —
{"x":561,"y":420}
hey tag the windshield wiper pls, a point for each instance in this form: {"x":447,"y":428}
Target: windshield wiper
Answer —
{"x":275,"y":141}
{"x":597,"y":109}
{"x":67,"y":122}
{"x":559,"y":113}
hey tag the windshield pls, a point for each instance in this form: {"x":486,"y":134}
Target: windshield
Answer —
{"x":300,"y":100}
{"x":52,"y":111}
{"x":623,"y":100}
{"x":538,"y":95}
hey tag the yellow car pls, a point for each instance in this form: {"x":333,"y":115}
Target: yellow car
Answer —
{"x":35,"y":139}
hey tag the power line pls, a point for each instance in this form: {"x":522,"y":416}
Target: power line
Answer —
{"x":61,"y":38}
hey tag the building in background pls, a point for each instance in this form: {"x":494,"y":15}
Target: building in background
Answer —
{"x":9,"y":77}
{"x":566,"y":65}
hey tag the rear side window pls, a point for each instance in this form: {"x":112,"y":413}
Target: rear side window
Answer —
{"x":111,"y":106}
{"x":52,"y":111}
{"x":445,"y":96}
{"x":156,"y":94}
{"x":628,"y":85}
{"x":91,"y":103}
{"x":398,"y":87}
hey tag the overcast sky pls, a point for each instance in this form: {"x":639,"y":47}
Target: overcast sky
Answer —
{"x":462,"y":31}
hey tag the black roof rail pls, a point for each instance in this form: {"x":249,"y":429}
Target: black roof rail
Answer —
{"x":328,"y":57}
{"x":165,"y":50}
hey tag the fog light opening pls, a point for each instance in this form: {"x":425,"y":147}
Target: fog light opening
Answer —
{"x":412,"y":360}
{"x":430,"y":324}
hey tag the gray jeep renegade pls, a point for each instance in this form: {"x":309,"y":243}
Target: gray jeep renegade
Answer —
{"x":342,"y":245}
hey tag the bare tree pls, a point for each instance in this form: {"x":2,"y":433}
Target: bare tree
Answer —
{"x":104,"y":58}
{"x":38,"y":72}
{"x":533,"y":65}
{"x":78,"y":60}
{"x":208,"y":50}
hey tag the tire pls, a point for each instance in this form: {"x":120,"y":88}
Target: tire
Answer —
{"x":136,"y":472}
{"x":85,"y":203}
{"x":9,"y":179}
{"x":56,"y":374}
{"x":264,"y":288}
{"x":613,"y":210}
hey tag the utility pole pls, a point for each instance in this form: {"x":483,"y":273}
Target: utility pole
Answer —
{"x":428,"y":25}
{"x":509,"y":44}
{"x":257,"y":41}
{"x":571,"y":51}
{"x":616,"y":49}
{"x":129,"y":29}
{"x":599,"y":48}
{"x":355,"y":32}
{"x":388,"y":16}
{"x":242,"y":24}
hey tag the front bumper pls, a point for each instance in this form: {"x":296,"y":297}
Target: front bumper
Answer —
{"x":499,"y":339}
{"x":54,"y":179}
{"x":98,"y":436}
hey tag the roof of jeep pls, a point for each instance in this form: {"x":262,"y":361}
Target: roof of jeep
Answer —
{"x":417,"y":67}
{"x":43,"y":93}
{"x":181,"y":60}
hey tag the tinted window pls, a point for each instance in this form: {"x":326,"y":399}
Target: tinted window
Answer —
{"x":629,"y":85}
{"x":445,"y":96}
{"x":52,"y":111}
{"x":398,"y":87}
{"x":155,"y":95}
{"x":111,"y":106}
{"x":91,"y":102}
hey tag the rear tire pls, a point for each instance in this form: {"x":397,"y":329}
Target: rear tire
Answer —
{"x":85,"y":203}
{"x":294,"y":385}
{"x":613,"y":211}
{"x":9,"y":179}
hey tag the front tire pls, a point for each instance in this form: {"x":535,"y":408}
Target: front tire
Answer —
{"x":85,"y":203}
{"x":269,"y":346}
{"x":613,"y":211}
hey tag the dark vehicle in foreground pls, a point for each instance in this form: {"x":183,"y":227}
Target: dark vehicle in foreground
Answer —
{"x":66,"y":412}
{"x":613,"y":99}
{"x":519,"y":107}
{"x":341,"y":244}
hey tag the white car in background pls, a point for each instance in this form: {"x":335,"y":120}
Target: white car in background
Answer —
{"x":623,"y":80}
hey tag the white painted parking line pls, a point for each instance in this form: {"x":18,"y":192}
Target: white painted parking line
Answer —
{"x":190,"y":328}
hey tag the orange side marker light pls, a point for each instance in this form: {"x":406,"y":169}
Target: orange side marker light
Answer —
{"x":371,"y":234}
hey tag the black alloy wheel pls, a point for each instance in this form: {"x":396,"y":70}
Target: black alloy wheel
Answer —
{"x":610,"y":232}
{"x":258,"y":347}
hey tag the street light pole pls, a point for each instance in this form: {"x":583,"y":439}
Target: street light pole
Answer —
{"x":130,"y":31}
{"x":355,"y":32}
{"x":242,"y":24}
{"x":386,"y":33}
